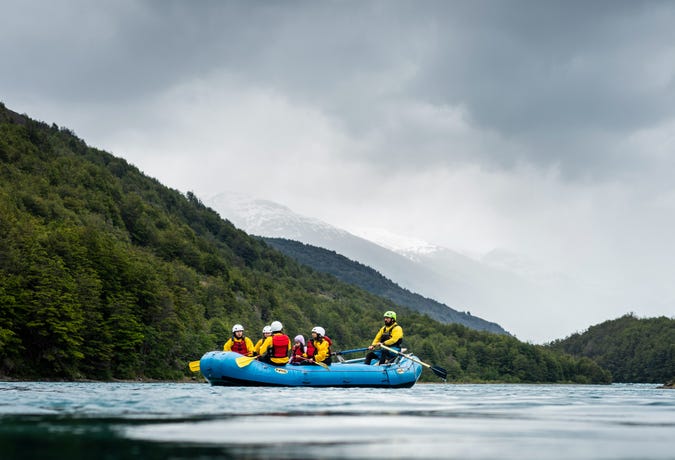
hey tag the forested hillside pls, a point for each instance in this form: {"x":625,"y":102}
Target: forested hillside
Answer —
{"x":106,"y":273}
{"x":632,"y":349}
{"x":372,"y":281}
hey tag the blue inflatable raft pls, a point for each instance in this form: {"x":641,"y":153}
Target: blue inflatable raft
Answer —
{"x":221,"y":369}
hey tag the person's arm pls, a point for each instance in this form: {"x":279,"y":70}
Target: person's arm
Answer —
{"x":321,"y":351}
{"x":396,"y":335}
{"x":265,"y":345}
{"x":249,"y":346}
{"x":228,"y":345}
{"x":376,"y":340}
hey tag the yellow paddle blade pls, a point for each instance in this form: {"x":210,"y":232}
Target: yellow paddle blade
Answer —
{"x":245,"y":360}
{"x":325,"y":366}
{"x":194,"y":366}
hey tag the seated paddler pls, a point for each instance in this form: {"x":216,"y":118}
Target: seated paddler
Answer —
{"x":391,"y":335}
{"x":239,"y":342}
{"x":318,"y":347}
{"x":276,"y":348}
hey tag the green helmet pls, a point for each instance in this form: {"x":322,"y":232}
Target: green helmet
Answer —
{"x":390,"y":314}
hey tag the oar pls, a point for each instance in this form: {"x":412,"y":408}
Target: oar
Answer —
{"x":346,"y":352}
{"x":439,"y":371}
{"x":194,"y":366}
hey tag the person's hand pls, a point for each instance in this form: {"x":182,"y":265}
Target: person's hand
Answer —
{"x":370,"y":347}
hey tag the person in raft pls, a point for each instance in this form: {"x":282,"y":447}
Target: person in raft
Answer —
{"x":318,"y":347}
{"x":239,"y":342}
{"x":276,"y":348}
{"x":299,"y":350}
{"x":391,"y":335}
{"x":266,"y":332}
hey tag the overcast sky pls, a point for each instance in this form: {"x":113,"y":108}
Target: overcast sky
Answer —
{"x":543,"y":129}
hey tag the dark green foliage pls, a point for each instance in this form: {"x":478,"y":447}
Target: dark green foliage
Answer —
{"x":105,"y":273}
{"x":632,"y":349}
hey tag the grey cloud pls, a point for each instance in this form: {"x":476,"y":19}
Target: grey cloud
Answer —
{"x":562,"y":80}
{"x":558,"y":82}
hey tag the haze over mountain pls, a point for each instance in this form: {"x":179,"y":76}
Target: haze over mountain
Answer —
{"x":500,"y":287}
{"x":357,"y":274}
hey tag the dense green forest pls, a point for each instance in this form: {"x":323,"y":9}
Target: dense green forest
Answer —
{"x":632,"y":349}
{"x":107,"y":274}
{"x":371,"y":280}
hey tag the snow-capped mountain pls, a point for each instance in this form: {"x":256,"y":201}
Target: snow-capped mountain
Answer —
{"x":412,"y":248}
{"x":498,"y":286}
{"x":266,"y":218}
{"x":411,"y":268}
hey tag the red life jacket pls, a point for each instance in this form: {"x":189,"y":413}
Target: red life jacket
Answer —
{"x":311,"y":349}
{"x":297,"y":351}
{"x":280,"y":344}
{"x":296,"y":354}
{"x":239,"y":346}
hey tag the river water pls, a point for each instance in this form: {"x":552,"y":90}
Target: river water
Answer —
{"x":190,"y":420}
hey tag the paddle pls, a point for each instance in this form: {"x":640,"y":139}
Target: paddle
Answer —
{"x":325,"y":366}
{"x":194,"y":366}
{"x":439,"y":371}
{"x":244,"y":361}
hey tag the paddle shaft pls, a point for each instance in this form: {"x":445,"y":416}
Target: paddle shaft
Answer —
{"x":405,"y":356}
{"x":325,"y":366}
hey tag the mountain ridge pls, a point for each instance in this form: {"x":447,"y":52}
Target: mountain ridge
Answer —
{"x":367,"y":278}
{"x":450,"y":278}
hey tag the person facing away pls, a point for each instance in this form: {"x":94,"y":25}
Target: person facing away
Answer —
{"x":391,"y":335}
{"x":276,"y":348}
{"x":266,"y":332}
{"x":318,"y":347}
{"x":299,"y":350}
{"x":239,"y":342}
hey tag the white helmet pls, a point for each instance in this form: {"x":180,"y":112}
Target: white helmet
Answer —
{"x":276,"y":326}
{"x":237,"y":327}
{"x":267,"y":330}
{"x":319,"y":330}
